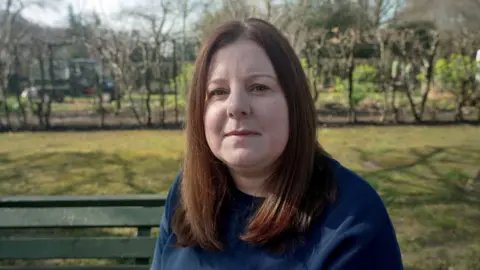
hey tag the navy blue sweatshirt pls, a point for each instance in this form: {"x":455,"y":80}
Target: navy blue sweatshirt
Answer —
{"x":355,"y":233}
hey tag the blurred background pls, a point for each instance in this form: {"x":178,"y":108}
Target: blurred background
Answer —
{"x":93,"y":93}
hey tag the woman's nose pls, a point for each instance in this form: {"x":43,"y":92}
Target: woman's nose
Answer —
{"x":239,"y":103}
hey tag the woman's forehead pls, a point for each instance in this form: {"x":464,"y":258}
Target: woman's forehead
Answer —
{"x":242,"y":58}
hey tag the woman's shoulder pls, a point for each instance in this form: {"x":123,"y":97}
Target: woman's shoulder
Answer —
{"x":356,"y":229}
{"x":354,"y":194}
{"x":358,"y":209}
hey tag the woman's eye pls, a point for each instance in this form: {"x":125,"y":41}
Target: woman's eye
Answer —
{"x":259,"y":88}
{"x":217,"y":92}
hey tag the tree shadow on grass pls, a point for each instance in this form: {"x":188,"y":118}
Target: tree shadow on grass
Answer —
{"x":442,"y":173}
{"x":434,"y":201}
{"x":4,"y":159}
{"x":86,"y":173}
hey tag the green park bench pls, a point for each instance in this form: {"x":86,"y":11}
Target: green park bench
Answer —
{"x":142,"y":213}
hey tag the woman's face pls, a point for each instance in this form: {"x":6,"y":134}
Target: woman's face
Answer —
{"x":246,"y":115}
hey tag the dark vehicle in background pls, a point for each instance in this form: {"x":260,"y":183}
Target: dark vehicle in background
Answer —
{"x":73,"y":78}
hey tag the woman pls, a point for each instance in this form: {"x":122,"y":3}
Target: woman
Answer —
{"x":256,"y":190}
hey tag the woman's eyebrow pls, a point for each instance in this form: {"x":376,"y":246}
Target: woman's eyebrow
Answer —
{"x":254,"y":75}
{"x":217,"y":80}
{"x":250,"y":76}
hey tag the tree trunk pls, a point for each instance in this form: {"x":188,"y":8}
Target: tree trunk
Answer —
{"x":385,"y":109}
{"x":478,"y":111}
{"x":393,"y":105}
{"x":412,"y":103}
{"x":426,"y":90}
{"x":162,"y":105}
{"x":52,"y":91}
{"x":15,"y":83}
{"x":101,"y":108}
{"x":409,"y":87}
{"x":134,"y":110}
{"x":461,"y":102}
{"x":48,"y":113}
{"x":148,"y":76}
{"x":23,"y":112}
{"x":41,"y":120}
{"x":174,"y":77}
{"x":37,"y":109}
{"x":118,"y":103}
{"x":316,"y":92}
{"x":430,"y":63}
{"x":149,"y":109}
{"x":4,"y":88}
{"x":118,"y":95}
{"x":6,"y":108}
{"x":352,"y":115}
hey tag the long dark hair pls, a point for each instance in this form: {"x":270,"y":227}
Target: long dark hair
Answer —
{"x":302,"y":184}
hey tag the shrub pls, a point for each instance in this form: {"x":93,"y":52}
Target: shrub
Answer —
{"x":455,"y":70}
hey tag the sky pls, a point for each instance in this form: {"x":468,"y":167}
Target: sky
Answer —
{"x":57,"y":14}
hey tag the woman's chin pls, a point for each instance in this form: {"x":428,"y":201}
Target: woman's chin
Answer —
{"x":243,"y":160}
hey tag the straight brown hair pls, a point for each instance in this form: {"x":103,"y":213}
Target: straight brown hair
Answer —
{"x":299,"y":189}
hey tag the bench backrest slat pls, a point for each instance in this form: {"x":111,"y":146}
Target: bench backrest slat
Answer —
{"x":75,"y":217}
{"x":100,"y":267}
{"x":36,"y":212}
{"x":77,"y":248}
{"x":82,"y":200}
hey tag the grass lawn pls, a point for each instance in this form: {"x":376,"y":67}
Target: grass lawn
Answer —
{"x":424,"y":174}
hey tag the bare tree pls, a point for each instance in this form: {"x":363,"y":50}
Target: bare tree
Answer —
{"x":218,"y":12}
{"x":314,"y":47}
{"x":446,"y":14}
{"x":11,"y":13}
{"x":405,"y":67}
{"x":44,"y":53}
{"x":153,"y":47}
{"x":118,"y":48}
{"x":384,"y":38}
{"x":417,"y":51}
{"x":291,"y":18}
{"x":466,"y":43}
{"x":186,"y":8}
{"x":39,"y":53}
{"x":427,"y":55}
{"x":97,"y":47}
{"x":344,"y":45}
{"x":382,"y":11}
{"x":12,"y":37}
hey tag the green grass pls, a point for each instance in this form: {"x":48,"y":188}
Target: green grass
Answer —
{"x":424,"y":175}
{"x":89,"y":163}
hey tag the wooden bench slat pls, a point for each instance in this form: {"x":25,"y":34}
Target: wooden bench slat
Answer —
{"x":82,"y":200}
{"x":109,"y":267}
{"x":77,"y":248}
{"x":79,"y":217}
{"x":35,"y":212}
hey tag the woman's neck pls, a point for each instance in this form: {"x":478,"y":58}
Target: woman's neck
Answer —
{"x":249,"y":182}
